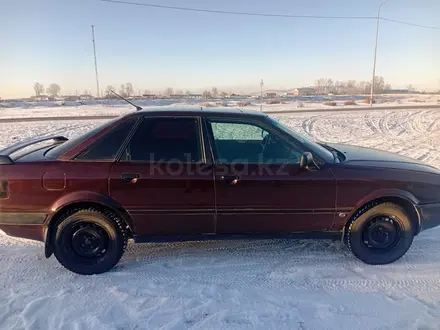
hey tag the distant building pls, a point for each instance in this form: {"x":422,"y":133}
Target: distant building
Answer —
{"x":270,"y":94}
{"x":396,"y":91}
{"x":304,"y":91}
{"x":177,"y":96}
{"x":71,"y":97}
{"x":41,"y":98}
{"x":194,"y":96}
{"x":287,"y":94}
{"x":86,"y":97}
{"x":149,"y":96}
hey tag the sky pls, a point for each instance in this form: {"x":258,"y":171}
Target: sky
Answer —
{"x":49,"y":41}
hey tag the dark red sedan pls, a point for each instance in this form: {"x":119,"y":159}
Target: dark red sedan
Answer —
{"x":166,"y":175}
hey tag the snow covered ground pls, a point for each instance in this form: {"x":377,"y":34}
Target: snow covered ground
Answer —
{"x":117,"y":107}
{"x":270,"y":284}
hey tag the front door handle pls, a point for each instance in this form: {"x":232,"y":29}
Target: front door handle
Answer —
{"x":230,"y":179}
{"x":130,"y":177}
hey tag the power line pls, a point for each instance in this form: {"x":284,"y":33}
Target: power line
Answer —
{"x":224,"y":12}
{"x":411,"y":24}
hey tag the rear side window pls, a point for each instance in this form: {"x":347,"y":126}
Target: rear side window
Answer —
{"x":165,"y":140}
{"x":108,"y":145}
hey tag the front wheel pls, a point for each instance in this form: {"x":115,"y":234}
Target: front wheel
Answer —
{"x":89,"y":241}
{"x":380,"y":234}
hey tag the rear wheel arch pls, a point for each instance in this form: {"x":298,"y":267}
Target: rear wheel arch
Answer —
{"x":89,"y":241}
{"x":99,"y":205}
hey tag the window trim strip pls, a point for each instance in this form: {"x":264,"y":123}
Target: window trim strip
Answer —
{"x":146,"y":117}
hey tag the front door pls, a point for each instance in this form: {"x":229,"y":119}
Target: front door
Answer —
{"x":260,"y":187}
{"x":163,"y":180}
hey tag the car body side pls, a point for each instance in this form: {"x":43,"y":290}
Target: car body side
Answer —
{"x":41,"y":189}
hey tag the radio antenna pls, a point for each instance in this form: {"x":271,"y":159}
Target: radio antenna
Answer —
{"x":124,"y":99}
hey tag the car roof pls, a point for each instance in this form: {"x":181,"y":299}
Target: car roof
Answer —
{"x":199,"y":111}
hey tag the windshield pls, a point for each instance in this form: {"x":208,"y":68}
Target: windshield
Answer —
{"x":307,"y":144}
{"x":57,"y":151}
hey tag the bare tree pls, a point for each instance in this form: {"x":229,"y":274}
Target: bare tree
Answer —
{"x":349,"y":87}
{"x":410,"y":88}
{"x":108,"y":91}
{"x":363,"y":87}
{"x":351,"y":83}
{"x":379,"y":84}
{"x":168,"y":91}
{"x":129,"y":89}
{"x":53,"y":89}
{"x":214,"y":92}
{"x":223,"y":94}
{"x":147,"y":92}
{"x":318,"y":85}
{"x":188,"y":92}
{"x":122,"y":90}
{"x":330,"y":86}
{"x":323,"y":85}
{"x":38,"y":88}
{"x":207,"y":94}
{"x":338,"y":87}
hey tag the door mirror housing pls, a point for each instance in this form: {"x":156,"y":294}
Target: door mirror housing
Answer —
{"x":306,"y":160}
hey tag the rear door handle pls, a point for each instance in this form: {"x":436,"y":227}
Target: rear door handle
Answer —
{"x":230,"y":179}
{"x":130,"y":177}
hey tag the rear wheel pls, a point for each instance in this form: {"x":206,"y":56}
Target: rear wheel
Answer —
{"x":89,"y":241}
{"x":380,"y":234}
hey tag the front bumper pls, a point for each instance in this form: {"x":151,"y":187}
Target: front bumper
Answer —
{"x":429,"y":215}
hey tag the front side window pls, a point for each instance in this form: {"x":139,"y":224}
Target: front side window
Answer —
{"x":304,"y":143}
{"x":165,"y":140}
{"x":238,"y":142}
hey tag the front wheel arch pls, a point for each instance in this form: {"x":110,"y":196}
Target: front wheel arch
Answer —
{"x":70,"y":208}
{"x":380,"y":234}
{"x":407,"y":205}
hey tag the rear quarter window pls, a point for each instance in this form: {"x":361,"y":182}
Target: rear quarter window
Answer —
{"x":108,"y":145}
{"x":57,"y":151}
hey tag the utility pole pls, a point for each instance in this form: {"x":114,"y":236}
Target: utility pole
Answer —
{"x":261,"y":94}
{"x":96,"y":64}
{"x":375,"y":53}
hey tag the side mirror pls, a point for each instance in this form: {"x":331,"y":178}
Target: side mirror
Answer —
{"x":306,"y":160}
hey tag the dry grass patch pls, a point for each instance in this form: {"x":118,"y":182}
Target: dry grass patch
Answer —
{"x":207,"y":105}
{"x":243,"y":103}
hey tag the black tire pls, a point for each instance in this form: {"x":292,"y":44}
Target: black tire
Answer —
{"x":88,"y":241}
{"x":390,"y":224}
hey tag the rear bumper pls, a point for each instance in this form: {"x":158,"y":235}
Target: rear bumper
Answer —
{"x":25,"y":225}
{"x":33,"y":232}
{"x":429,"y":215}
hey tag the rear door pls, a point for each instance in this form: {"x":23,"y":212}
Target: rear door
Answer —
{"x":163,"y":179}
{"x":260,"y":187}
